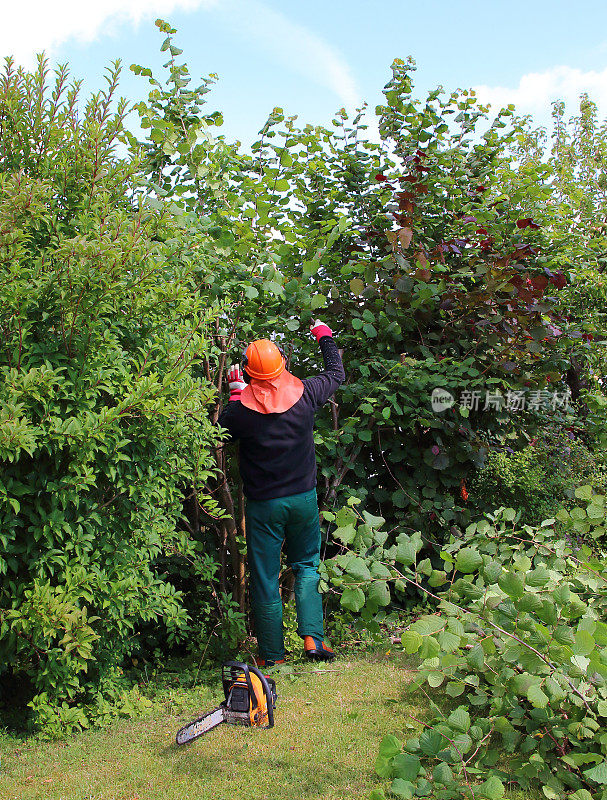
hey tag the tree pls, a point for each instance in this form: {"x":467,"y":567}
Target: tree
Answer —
{"x":430,"y":275}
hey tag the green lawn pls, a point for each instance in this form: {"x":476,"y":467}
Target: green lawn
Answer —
{"x":329,"y":722}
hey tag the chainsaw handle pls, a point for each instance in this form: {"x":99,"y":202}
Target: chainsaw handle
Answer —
{"x":268,"y":694}
{"x":246,"y":669}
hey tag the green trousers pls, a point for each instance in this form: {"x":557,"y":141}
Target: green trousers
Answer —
{"x":294,"y":521}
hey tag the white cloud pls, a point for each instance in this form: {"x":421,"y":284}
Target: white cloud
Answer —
{"x":32,"y":26}
{"x":537,"y":90}
{"x":295,"y":47}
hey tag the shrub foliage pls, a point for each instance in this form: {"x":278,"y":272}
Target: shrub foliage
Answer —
{"x":102,"y":421}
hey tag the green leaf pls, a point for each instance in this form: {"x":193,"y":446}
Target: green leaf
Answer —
{"x":310,"y":267}
{"x":430,"y":647}
{"x":437,"y":578}
{"x":318,"y":301}
{"x":357,"y":568}
{"x":375,"y":522}
{"x":598,"y":773}
{"x":379,"y":570}
{"x":356,"y":287}
{"x":370,"y":330}
{"x":345,"y":516}
{"x":455,"y":688}
{"x":595,"y":512}
{"x":431,"y":742}
{"x":536,"y":696}
{"x":468,"y":560}
{"x":584,"y":492}
{"x":449,"y":641}
{"x":383,"y":767}
{"x":411,"y":641}
{"x":435,"y":679}
{"x":581,"y":662}
{"x":403,"y":789}
{"x":512,"y":584}
{"x":442,"y":774}
{"x":352,"y":598}
{"x":584,"y":643}
{"x":537,"y":577}
{"x":406,"y":766}
{"x":390,"y":746}
{"x":564,"y":635}
{"x":459,"y":719}
{"x":491,"y":789}
{"x":346,"y":534}
{"x":379,"y":593}
{"x":406,"y":552}
{"x":476,"y":657}
{"x":581,"y":794}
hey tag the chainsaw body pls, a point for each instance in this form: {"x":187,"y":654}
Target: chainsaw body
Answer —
{"x":250,"y":699}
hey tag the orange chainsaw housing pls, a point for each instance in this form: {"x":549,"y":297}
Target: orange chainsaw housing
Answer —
{"x":250,"y":695}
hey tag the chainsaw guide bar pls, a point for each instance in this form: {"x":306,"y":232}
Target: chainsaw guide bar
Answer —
{"x":201,"y":725}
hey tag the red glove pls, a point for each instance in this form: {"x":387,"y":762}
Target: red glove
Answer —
{"x":235,"y":382}
{"x":319,"y":329}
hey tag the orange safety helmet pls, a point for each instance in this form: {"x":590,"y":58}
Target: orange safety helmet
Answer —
{"x":263,"y":360}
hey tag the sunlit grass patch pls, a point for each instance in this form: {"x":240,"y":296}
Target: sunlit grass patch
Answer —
{"x":329,"y":722}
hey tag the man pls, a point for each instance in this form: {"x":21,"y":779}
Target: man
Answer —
{"x":272,"y":416}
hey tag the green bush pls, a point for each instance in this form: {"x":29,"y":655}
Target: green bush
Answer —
{"x":513,"y":623}
{"x":539,"y":479}
{"x":518,"y":632}
{"x":102,"y":422}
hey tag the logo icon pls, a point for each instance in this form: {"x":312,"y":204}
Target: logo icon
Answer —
{"x":441,"y":400}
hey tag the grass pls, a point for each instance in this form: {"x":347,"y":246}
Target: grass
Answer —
{"x":329,"y":722}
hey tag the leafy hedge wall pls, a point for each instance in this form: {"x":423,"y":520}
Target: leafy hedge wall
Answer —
{"x":102,"y":422}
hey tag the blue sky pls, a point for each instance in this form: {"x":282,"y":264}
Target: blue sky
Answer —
{"x":313,"y":57}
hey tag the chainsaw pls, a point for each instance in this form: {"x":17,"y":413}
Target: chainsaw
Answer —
{"x":250,"y":699}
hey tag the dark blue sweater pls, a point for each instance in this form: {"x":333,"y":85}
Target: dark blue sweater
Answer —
{"x":277,"y":455}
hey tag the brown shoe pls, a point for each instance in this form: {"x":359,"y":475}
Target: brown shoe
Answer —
{"x":317,"y":650}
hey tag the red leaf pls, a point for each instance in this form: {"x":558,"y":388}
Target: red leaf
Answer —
{"x":527,"y":222}
{"x":404,"y":236}
{"x":539,"y":282}
{"x":421,"y":257}
{"x":380,"y":177}
{"x":558,"y":280}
